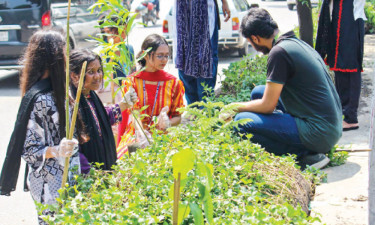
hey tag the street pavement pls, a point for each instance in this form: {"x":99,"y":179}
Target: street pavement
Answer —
{"x":344,"y":198}
{"x":19,"y":209}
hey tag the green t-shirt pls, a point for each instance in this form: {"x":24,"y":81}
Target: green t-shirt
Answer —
{"x":308,"y":93}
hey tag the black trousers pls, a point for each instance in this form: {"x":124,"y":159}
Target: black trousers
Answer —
{"x":348,"y":86}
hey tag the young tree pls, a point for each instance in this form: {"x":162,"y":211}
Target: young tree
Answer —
{"x":306,"y":28}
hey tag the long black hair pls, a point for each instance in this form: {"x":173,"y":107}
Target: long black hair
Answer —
{"x":45,"y":54}
{"x":101,"y":147}
{"x":153,"y":41}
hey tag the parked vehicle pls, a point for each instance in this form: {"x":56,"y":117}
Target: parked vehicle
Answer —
{"x":292,"y":3}
{"x":127,"y":4}
{"x":229,"y":35}
{"x":19,"y":19}
{"x":147,"y":10}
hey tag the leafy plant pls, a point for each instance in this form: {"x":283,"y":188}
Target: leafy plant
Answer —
{"x":114,"y":55}
{"x":370,"y":14}
{"x":316,"y":176}
{"x":337,"y":158}
{"x":241,"y":77}
{"x":224,"y":180}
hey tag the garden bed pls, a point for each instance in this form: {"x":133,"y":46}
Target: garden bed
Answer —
{"x":224,"y":180}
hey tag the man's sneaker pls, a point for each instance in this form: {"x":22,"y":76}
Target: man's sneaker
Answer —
{"x":318,"y":160}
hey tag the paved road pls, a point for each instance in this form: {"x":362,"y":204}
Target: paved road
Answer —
{"x":19,"y":208}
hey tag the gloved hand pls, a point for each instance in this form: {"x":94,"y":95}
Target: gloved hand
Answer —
{"x":226,"y":114}
{"x":163,"y":119}
{"x":66,"y":148}
{"x":130,"y":97}
{"x":141,"y":139}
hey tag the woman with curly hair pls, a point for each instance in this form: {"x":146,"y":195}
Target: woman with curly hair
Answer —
{"x":39,"y":132}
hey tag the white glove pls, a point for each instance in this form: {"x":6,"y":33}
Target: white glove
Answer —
{"x":141,"y":138}
{"x":130,"y":97}
{"x":225,"y":116}
{"x":228,"y":115}
{"x":66,"y":148}
{"x":163,"y":119}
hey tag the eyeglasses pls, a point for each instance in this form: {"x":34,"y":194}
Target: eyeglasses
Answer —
{"x":161,"y":57}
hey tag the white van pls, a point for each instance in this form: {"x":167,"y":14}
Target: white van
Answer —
{"x":229,"y":33}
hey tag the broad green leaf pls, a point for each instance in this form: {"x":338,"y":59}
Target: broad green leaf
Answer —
{"x":206,"y":170}
{"x":201,"y":169}
{"x":197,"y":214}
{"x":130,"y":23}
{"x":202,"y":191}
{"x":208,"y":208}
{"x":183,"y":212}
{"x":183,"y":162}
{"x":210,"y":172}
{"x":143,"y":108}
{"x":143,"y":54}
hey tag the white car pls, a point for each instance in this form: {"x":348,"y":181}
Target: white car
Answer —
{"x":292,"y":3}
{"x":229,"y":33}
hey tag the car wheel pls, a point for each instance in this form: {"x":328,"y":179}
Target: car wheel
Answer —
{"x":154,"y":19}
{"x":144,"y":21}
{"x":243,"y":51}
{"x":290,"y":7}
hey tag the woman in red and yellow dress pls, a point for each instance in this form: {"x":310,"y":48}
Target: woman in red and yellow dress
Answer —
{"x":160,"y":91}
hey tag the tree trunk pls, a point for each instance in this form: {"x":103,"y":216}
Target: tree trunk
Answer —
{"x":306,"y":28}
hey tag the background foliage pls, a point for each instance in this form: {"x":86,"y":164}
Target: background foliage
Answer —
{"x":370,"y":14}
{"x":241,"y":77}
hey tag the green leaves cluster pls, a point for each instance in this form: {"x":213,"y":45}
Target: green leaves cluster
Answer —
{"x":114,"y":55}
{"x":370,"y":14}
{"x":337,"y":158}
{"x":241,"y":77}
{"x":224,"y":180}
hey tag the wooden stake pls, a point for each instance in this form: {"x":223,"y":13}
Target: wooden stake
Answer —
{"x":67,"y":72}
{"x":74,"y":118}
{"x":112,"y":90}
{"x":176,"y":199}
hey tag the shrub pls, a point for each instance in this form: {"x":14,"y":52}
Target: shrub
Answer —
{"x":241,"y":77}
{"x":224,"y":180}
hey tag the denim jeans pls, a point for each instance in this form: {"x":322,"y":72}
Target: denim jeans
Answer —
{"x":276,"y":132}
{"x":194,"y":91}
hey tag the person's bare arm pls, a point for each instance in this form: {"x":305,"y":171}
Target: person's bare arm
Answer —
{"x":267,"y":104}
{"x":175,"y":120}
{"x":226,"y":10}
{"x":124,"y":106}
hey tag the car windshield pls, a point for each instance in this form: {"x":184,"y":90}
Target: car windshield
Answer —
{"x":240,"y":5}
{"x":19,"y":4}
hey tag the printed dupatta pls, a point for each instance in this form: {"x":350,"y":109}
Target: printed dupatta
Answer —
{"x":12,"y":162}
{"x":194,"y":51}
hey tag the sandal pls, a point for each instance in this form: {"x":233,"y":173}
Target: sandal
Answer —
{"x":349,"y":126}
